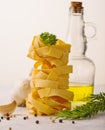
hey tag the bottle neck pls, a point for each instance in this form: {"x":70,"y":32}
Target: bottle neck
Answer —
{"x":75,"y":34}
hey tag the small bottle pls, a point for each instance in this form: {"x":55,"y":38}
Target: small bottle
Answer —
{"x":82,"y":79}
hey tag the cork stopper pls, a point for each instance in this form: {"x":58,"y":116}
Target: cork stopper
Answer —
{"x":76,"y":7}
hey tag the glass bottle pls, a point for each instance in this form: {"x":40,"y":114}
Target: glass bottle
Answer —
{"x":82,"y":79}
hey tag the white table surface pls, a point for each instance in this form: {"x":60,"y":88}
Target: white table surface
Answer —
{"x":18,"y":123}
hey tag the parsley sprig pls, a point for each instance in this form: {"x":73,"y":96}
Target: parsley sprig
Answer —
{"x":91,"y":108}
{"x":48,"y":38}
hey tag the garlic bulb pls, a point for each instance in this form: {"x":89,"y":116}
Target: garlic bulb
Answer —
{"x":20,"y":91}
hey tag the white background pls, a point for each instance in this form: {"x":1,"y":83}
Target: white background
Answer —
{"x":20,"y":20}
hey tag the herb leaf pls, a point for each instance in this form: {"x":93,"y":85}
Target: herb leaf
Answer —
{"x":91,"y":108}
{"x":48,"y":38}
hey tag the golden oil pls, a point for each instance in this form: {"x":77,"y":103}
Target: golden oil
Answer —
{"x":81,"y":93}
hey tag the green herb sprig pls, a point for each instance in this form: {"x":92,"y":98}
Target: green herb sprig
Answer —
{"x":91,"y":108}
{"x":48,"y":38}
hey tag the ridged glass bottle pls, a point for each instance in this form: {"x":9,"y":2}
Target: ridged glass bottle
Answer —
{"x":82,"y":78}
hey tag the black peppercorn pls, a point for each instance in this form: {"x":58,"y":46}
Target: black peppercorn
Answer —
{"x":73,"y":122}
{"x":8,"y":118}
{"x":2,"y":117}
{"x":35,"y":115}
{"x":37,"y":122}
{"x":24,"y":118}
{"x":60,"y":121}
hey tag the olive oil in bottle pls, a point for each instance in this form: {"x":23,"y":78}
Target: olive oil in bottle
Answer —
{"x":81,"y":92}
{"x":81,"y":81}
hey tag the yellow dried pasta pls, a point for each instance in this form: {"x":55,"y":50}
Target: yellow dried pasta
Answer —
{"x":49,"y":77}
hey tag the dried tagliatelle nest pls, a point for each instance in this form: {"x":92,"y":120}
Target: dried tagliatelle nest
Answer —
{"x":50,"y":75}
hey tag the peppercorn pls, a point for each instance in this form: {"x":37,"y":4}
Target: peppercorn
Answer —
{"x":10,"y":128}
{"x":53,"y":120}
{"x":24,"y":118}
{"x":60,"y":121}
{"x":27,"y":117}
{"x":73,"y":122}
{"x":7,"y":114}
{"x":35,"y":115}
{"x":8,"y":118}
{"x":37,"y":121}
{"x":2,"y":117}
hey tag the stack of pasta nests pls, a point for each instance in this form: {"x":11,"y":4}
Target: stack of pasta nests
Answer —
{"x":50,"y":77}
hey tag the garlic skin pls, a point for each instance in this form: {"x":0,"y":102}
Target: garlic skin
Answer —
{"x":20,"y":91}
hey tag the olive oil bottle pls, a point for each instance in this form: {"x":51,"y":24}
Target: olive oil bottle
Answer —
{"x":81,"y":81}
